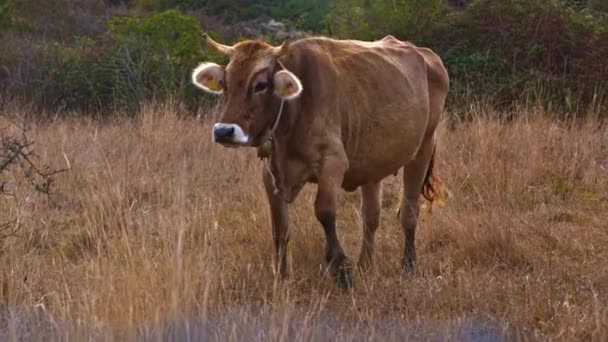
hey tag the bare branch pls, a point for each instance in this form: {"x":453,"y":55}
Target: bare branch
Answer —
{"x":16,"y":151}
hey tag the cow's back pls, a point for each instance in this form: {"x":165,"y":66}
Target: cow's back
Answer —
{"x":373,"y":98}
{"x":437,"y":79}
{"x":378,"y":105}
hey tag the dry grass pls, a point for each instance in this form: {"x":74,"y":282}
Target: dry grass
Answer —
{"x":158,"y":234}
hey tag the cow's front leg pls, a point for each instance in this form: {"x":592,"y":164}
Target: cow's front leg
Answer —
{"x":280,"y":224}
{"x":330,"y":179}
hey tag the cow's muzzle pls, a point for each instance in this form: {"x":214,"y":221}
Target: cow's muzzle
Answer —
{"x":229,"y":134}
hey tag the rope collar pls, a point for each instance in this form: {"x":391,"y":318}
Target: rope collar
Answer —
{"x":265,"y":149}
{"x":276,"y":121}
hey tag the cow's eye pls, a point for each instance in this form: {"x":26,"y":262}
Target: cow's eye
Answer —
{"x":260,"y":86}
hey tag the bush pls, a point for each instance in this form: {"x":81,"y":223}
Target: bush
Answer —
{"x":372,"y":19}
{"x":67,"y":77}
{"x":5,"y":17}
{"x":599,"y":6}
{"x":154,"y":57}
{"x":137,"y":60}
{"x":302,"y":14}
{"x":503,"y":52}
{"x":521,"y":50}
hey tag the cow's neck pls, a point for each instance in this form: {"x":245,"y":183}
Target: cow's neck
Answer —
{"x":284,"y":119}
{"x":290,"y":151}
{"x":265,"y":149}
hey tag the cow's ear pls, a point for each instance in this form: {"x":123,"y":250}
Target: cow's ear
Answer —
{"x":209,"y":77}
{"x":287,"y":85}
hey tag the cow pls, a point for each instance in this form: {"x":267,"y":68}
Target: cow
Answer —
{"x":342,"y":114}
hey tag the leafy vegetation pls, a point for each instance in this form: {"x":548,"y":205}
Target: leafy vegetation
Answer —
{"x":138,"y":59}
{"x":5,"y":18}
{"x":305,"y":14}
{"x":525,"y":51}
{"x":504,"y":53}
{"x":373,"y":19}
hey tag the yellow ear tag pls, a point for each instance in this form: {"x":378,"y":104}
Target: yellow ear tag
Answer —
{"x":213,"y":85}
{"x":287,"y":89}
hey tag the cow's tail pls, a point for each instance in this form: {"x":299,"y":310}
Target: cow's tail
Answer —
{"x":433,"y":189}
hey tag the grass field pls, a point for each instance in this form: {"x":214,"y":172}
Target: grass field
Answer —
{"x":156,"y":233}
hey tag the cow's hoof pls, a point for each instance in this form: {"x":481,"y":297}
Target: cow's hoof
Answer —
{"x":344,"y":275}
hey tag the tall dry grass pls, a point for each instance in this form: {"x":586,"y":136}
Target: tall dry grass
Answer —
{"x":156,"y":233}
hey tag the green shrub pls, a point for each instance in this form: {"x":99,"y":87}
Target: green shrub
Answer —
{"x":302,"y":14}
{"x":599,"y":5}
{"x":507,"y":52}
{"x":65,"y":77}
{"x":5,"y":17}
{"x":153,"y":57}
{"x":137,"y":60}
{"x":524,"y":51}
{"x":372,"y":19}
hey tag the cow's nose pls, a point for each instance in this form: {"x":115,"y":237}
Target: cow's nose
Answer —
{"x":229,"y":134}
{"x":223,"y":133}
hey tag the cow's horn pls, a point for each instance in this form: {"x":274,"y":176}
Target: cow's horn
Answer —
{"x":282,"y":49}
{"x":221,"y":48}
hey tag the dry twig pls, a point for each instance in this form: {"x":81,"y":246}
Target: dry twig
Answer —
{"x":17,"y":151}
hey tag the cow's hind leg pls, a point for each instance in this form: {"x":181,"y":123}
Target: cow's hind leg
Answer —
{"x":280,"y":225}
{"x":414,"y":177}
{"x":331,"y":176}
{"x":370,"y":212}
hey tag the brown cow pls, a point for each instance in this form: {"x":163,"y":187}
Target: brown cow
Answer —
{"x":338,"y":113}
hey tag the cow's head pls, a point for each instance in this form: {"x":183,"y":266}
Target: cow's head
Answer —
{"x":253,"y":84}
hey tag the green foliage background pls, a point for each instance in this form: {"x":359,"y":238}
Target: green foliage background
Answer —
{"x":137,"y":59}
{"x":113,"y":55}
